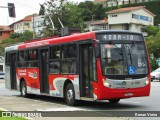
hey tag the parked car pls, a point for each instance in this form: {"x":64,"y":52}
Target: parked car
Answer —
{"x":155,"y":75}
{"x":2,"y":75}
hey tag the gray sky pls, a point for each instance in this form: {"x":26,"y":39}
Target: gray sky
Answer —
{"x":23,"y":8}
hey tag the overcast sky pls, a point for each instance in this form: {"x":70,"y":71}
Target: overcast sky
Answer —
{"x":23,"y":8}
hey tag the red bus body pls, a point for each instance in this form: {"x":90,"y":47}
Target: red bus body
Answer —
{"x":56,"y":83}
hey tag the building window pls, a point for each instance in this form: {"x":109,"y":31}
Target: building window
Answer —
{"x":125,"y":27}
{"x":0,"y":33}
{"x":115,"y":15}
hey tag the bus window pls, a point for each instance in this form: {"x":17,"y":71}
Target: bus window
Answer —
{"x":68,"y":61}
{"x":33,"y":58}
{"x":54,"y":64}
{"x":21,"y":59}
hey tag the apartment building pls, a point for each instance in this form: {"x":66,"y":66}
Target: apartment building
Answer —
{"x":22,"y":25}
{"x":130,"y":18}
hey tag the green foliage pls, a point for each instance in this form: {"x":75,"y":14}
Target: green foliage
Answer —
{"x":15,"y":38}
{"x":42,"y":10}
{"x":152,"y":30}
{"x":154,"y":64}
{"x":69,"y":14}
{"x":91,"y":11}
{"x":15,"y":35}
{"x":152,"y":6}
{"x":153,"y":43}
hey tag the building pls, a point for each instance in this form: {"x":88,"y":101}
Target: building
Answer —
{"x":5,"y":32}
{"x":130,"y":18}
{"x":22,"y":25}
{"x":38,"y":25}
{"x":110,"y":3}
{"x":96,"y":25}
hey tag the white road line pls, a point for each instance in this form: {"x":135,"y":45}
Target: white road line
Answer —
{"x":63,"y":109}
{"x":128,"y":101}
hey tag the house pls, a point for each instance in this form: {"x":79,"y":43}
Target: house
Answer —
{"x":96,"y":25}
{"x":5,"y":32}
{"x":130,"y":18}
{"x":110,"y":3}
{"x":22,"y":25}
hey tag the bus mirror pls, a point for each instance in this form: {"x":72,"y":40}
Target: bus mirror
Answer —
{"x":97,"y":51}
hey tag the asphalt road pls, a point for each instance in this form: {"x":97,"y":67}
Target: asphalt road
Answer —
{"x":11,"y":100}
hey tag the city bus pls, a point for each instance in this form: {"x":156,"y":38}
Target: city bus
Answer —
{"x":93,"y":66}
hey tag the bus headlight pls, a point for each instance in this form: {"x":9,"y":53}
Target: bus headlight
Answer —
{"x":147,"y":82}
{"x":105,"y":83}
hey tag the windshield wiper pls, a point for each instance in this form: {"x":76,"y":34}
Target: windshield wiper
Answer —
{"x":130,"y":55}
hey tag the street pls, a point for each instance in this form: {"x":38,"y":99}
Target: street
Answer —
{"x":12,"y":101}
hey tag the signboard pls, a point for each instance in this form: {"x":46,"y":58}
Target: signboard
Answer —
{"x":117,"y":36}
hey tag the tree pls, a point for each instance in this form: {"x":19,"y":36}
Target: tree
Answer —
{"x":153,"y":43}
{"x":42,"y":10}
{"x":154,"y":64}
{"x":15,"y":38}
{"x":68,"y":13}
{"x":90,"y":11}
{"x":151,"y":30}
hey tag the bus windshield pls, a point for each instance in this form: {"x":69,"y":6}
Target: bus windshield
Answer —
{"x":124,"y":59}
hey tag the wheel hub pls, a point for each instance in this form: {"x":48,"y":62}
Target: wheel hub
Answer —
{"x":70,"y":95}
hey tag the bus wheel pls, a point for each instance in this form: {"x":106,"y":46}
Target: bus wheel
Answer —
{"x":114,"y":101}
{"x":23,"y":89}
{"x":70,"y":95}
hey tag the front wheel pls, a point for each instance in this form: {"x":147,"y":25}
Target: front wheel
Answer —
{"x":113,"y":101}
{"x":23,"y":89}
{"x":70,"y":95}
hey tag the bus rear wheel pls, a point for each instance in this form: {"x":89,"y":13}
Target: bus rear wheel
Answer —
{"x":23,"y":89}
{"x":70,"y":95}
{"x":113,"y":101}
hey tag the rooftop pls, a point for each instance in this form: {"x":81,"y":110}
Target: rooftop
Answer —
{"x":126,"y":9}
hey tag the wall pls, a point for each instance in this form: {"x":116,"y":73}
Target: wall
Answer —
{"x":5,"y":34}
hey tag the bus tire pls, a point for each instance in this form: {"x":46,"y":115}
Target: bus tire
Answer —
{"x":70,"y":95}
{"x":113,"y":101}
{"x":23,"y":89}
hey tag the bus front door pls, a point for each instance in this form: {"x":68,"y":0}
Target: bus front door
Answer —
{"x":86,"y":57}
{"x":13,"y":61}
{"x":44,"y":84}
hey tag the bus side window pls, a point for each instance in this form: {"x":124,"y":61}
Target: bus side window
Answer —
{"x":54,"y":64}
{"x":21,"y":59}
{"x":33,"y":58}
{"x":68,"y":61}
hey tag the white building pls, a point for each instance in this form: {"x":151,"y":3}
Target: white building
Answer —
{"x":94,"y":25}
{"x":38,"y":24}
{"x":131,"y":18}
{"x":110,"y":3}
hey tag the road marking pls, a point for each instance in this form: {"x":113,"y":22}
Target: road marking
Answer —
{"x":128,"y":101}
{"x":63,"y":109}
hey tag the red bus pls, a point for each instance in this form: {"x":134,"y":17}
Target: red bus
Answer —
{"x":99,"y":65}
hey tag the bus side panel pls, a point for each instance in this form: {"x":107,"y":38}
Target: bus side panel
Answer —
{"x":31,"y":77}
{"x":7,"y":78}
{"x":56,"y":84}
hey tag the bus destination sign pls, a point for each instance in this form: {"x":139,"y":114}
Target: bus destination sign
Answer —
{"x":131,"y":37}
